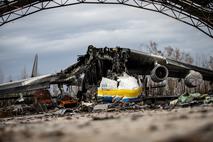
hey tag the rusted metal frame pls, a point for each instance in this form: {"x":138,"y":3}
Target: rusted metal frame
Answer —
{"x":47,"y":3}
{"x":66,"y":2}
{"x":200,"y":24}
{"x":84,"y":1}
{"x":180,"y":14}
{"x":57,"y":3}
{"x":32,"y":12}
{"x":197,"y":24}
{"x":210,"y":5}
{"x":205,"y":16}
{"x":174,"y":5}
{"x":8,"y":17}
{"x":23,"y":13}
{"x":194,"y":5}
{"x":171,"y":9}
{"x":2,"y":18}
{"x":13,"y":13}
{"x":155,"y":6}
{"x":146,"y":4}
{"x":177,"y":7}
{"x":101,"y":1}
{"x":119,"y":2}
{"x":139,"y":5}
{"x":199,"y":27}
{"x":7,"y":8}
{"x":171,"y":5}
{"x":208,"y":32}
{"x":196,"y":11}
{"x":162,"y":7}
{"x":60,"y":4}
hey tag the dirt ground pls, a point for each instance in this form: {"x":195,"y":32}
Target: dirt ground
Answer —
{"x":192,"y":124}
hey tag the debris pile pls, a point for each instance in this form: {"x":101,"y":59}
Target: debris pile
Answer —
{"x":108,"y":79}
{"x":17,"y":110}
{"x":67,"y":102}
{"x":192,"y":99}
{"x":68,"y":105}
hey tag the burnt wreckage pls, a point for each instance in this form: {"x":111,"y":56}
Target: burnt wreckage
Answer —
{"x":111,"y":63}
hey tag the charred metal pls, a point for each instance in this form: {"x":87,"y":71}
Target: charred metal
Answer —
{"x":111,"y":63}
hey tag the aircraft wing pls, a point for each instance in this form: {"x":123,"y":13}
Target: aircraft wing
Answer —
{"x":39,"y":82}
{"x":144,"y":63}
{"x":109,"y":62}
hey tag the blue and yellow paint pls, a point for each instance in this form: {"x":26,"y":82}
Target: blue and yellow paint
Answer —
{"x":124,"y":95}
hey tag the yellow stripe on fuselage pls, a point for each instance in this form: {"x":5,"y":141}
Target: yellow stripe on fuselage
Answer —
{"x":134,"y":93}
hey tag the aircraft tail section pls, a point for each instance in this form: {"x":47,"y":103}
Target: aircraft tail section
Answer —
{"x":35,"y":67}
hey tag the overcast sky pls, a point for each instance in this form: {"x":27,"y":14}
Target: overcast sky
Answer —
{"x":59,"y":35}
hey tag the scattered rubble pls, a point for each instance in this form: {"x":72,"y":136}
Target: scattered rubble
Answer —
{"x":101,"y":107}
{"x":192,"y":99}
{"x":66,"y":101}
{"x":96,"y":118}
{"x":17,"y":110}
{"x":67,"y":104}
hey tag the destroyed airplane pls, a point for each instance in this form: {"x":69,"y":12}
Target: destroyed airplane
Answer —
{"x":114,"y":72}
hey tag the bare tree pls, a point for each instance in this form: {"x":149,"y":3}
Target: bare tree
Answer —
{"x":188,"y":58}
{"x":24,"y":73}
{"x":152,"y":47}
{"x":173,"y":53}
{"x":168,"y":51}
{"x":178,"y":54}
{"x":211,"y":62}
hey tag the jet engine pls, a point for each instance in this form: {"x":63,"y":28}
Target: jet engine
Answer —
{"x":159,"y":73}
{"x":193,"y":79}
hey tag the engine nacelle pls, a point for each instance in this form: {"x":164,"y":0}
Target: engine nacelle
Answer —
{"x":193,"y":79}
{"x":159,"y":73}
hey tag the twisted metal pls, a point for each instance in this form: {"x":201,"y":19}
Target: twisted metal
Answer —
{"x":196,"y":13}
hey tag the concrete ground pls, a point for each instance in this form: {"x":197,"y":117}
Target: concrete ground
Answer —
{"x":177,"y":125}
